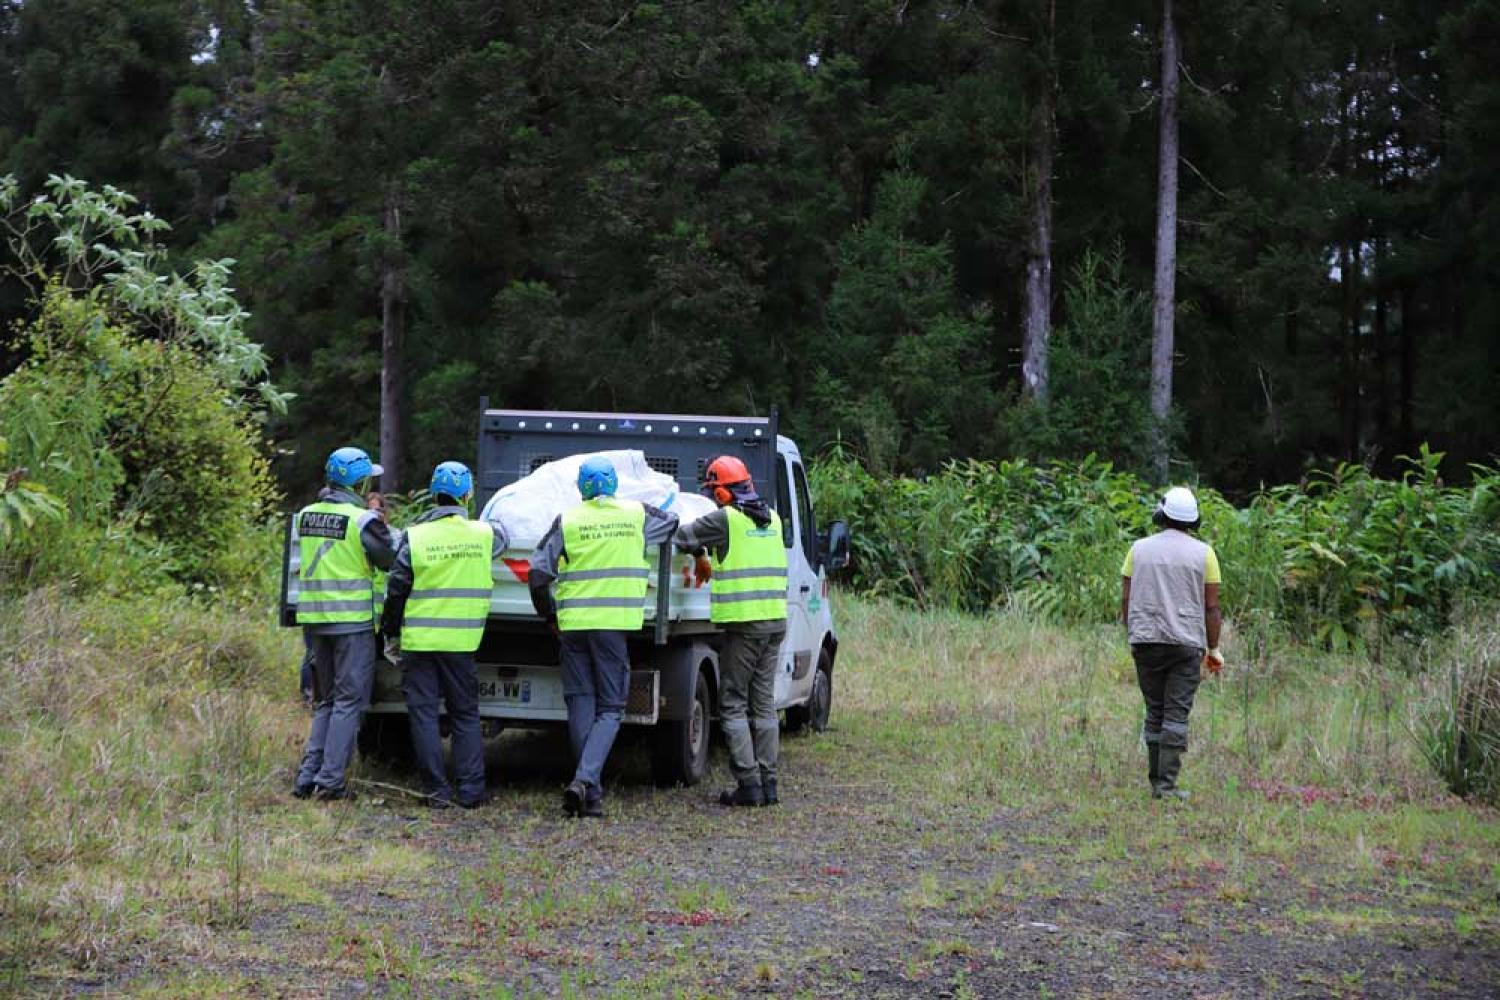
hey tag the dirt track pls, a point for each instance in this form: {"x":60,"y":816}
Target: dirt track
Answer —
{"x":844,"y":890}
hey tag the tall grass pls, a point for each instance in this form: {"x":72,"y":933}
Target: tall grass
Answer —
{"x":1459,"y":731}
{"x":1343,"y":562}
{"x":137,"y":735}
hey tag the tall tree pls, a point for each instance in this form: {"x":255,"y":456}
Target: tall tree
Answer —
{"x":1034,"y":366}
{"x":1164,"y":288}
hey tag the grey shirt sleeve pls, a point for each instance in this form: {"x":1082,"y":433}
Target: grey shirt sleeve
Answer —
{"x":660,"y":525}
{"x":544,"y":562}
{"x":375,"y":536}
{"x":397,"y":589}
{"x":502,"y":540}
{"x":709,"y":533}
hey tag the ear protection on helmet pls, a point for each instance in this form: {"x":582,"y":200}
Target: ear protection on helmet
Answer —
{"x":722,"y":473}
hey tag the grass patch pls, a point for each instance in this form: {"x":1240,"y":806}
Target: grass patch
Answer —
{"x":979,"y":803}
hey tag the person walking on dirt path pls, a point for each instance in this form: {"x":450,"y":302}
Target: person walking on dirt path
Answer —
{"x":436,"y":603}
{"x":341,"y":543}
{"x":596,"y":554}
{"x":1169,"y":601}
{"x":742,"y":554}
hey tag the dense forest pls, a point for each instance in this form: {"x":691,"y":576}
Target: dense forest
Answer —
{"x":927,"y":230}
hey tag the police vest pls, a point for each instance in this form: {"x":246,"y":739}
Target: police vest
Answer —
{"x":749,"y":585}
{"x":601,"y":581}
{"x":335,"y":576}
{"x":451,"y":585}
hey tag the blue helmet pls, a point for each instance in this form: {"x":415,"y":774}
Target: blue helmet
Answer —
{"x":596,"y":478}
{"x":350,"y":466}
{"x":452,"y":479}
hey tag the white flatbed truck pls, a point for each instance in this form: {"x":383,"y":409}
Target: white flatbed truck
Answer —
{"x":674,"y":678}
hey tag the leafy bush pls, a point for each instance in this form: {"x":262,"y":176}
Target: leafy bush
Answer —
{"x":23,"y":502}
{"x":137,"y":405}
{"x":1330,"y":560}
{"x":135,"y":435}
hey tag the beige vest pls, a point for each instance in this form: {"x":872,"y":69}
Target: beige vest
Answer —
{"x":1166,"y":589}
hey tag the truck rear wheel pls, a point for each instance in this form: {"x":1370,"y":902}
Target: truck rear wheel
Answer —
{"x":680,"y":756}
{"x":386,"y":738}
{"x":815,"y":711}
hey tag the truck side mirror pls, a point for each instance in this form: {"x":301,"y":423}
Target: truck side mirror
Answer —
{"x":835,"y":545}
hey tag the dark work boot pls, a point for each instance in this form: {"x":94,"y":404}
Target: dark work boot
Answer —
{"x":768,"y":791}
{"x":303,"y":791}
{"x":574,"y":796}
{"x":1153,"y":767}
{"x":1168,"y":766}
{"x":593,"y":802}
{"x":743,"y":795}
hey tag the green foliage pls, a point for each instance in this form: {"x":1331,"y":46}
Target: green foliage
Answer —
{"x":1335,"y":560}
{"x":76,"y":237}
{"x":811,"y":204}
{"x":139,"y":439}
{"x":1101,"y":373}
{"x":23,"y":502}
{"x":904,"y":368}
{"x":137,"y":404}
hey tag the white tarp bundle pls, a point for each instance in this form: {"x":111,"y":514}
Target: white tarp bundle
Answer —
{"x":527,"y":507}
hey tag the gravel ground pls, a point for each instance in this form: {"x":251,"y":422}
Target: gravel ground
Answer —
{"x":847,"y":889}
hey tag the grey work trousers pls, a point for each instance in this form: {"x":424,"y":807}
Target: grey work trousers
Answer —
{"x":1168,"y":675}
{"x":596,"y":679}
{"x":428,"y":679}
{"x":343,"y":672}
{"x":747,"y":703}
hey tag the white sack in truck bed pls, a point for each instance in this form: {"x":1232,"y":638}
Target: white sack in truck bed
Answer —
{"x":527,"y":507}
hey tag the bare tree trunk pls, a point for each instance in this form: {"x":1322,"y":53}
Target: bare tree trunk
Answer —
{"x":1034,"y":361}
{"x":1349,"y":382}
{"x":1407,"y":385}
{"x":1164,"y":291}
{"x":1382,"y":406}
{"x":392,"y":338}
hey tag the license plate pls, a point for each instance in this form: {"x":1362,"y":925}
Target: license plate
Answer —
{"x":516,"y":692}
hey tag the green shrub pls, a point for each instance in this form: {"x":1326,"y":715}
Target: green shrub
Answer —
{"x":1332,"y":560}
{"x":134,"y":435}
{"x":137,"y":405}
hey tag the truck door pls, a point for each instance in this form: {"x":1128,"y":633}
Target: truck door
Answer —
{"x":799,"y":535}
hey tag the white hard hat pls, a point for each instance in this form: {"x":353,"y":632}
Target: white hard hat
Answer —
{"x":1180,"y":505}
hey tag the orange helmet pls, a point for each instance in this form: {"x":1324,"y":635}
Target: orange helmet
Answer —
{"x":722,"y":473}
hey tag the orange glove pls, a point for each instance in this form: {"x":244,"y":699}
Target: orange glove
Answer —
{"x":703,"y":570}
{"x":1213,"y":661}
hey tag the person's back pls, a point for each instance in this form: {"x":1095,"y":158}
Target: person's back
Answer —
{"x":1168,"y":570}
{"x":436,"y":605}
{"x":595,"y":553}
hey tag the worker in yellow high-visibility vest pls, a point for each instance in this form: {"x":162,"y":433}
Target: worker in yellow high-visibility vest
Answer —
{"x":596,"y":554}
{"x":741,"y":550}
{"x":341,"y":544}
{"x":436,"y":603}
